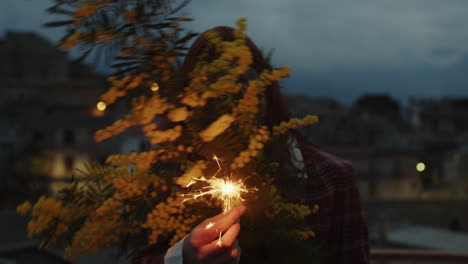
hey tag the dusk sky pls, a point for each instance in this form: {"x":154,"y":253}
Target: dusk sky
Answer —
{"x":336,"y":48}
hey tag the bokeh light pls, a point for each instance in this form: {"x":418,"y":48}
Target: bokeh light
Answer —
{"x":420,"y":167}
{"x":101,"y":106}
{"x":155,"y":87}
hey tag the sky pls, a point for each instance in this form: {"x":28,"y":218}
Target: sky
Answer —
{"x":338,"y":48}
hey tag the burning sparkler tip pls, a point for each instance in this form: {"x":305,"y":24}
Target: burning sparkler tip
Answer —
{"x":224,"y":189}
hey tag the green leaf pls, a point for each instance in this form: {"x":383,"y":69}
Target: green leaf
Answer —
{"x":186,"y":38}
{"x":126,"y":70}
{"x":126,"y":58}
{"x":83,"y":56}
{"x":104,"y":18}
{"x":157,"y":26}
{"x":58,"y":23}
{"x":179,"y":19}
{"x":56,"y":10}
{"x":124,"y":27}
{"x":123,"y":64}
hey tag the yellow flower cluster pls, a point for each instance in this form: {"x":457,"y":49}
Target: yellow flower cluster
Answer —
{"x":159,"y":136}
{"x":256,"y":144}
{"x":116,"y":212}
{"x":192,"y":99}
{"x":149,"y":127}
{"x":127,"y":52}
{"x":154,"y":107}
{"x":130,"y":15}
{"x":294,"y":123}
{"x":169,"y":154}
{"x":222,"y":85}
{"x":85,"y":9}
{"x":128,"y":187}
{"x":197,"y":99}
{"x":104,"y":36}
{"x":59,"y":229}
{"x":131,"y":186}
{"x":241,"y":28}
{"x":94,"y":235}
{"x":24,"y":208}
{"x":275,"y":75}
{"x":145,"y":159}
{"x":108,"y":207}
{"x":116,"y":128}
{"x":142,"y":158}
{"x":187,"y":149}
{"x":315,"y":209}
{"x":120,"y":87}
{"x":47,"y":213}
{"x":136,"y":81}
{"x":143,"y":112}
{"x":178,"y":114}
{"x":171,"y":218}
{"x":234,"y":61}
{"x":217,"y":127}
{"x":301,"y":234}
{"x":297,"y":211}
{"x":195,"y":171}
{"x":244,"y":58}
{"x":71,"y":41}
{"x":248,"y":105}
{"x":117,"y":89}
{"x":167,"y":217}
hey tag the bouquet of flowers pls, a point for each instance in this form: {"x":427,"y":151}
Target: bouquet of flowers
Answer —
{"x":202,"y":127}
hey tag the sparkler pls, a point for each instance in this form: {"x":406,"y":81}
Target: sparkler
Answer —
{"x":223,"y":189}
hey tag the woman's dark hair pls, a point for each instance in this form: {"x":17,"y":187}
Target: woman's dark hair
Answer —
{"x":276,"y":108}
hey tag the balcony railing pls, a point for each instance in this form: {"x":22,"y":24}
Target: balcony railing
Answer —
{"x":421,"y":256}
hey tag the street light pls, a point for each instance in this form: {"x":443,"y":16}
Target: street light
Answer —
{"x":420,"y":167}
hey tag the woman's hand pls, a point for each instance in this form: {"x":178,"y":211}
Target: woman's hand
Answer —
{"x":205,"y":245}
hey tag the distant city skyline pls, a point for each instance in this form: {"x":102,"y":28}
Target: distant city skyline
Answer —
{"x":338,"y":49}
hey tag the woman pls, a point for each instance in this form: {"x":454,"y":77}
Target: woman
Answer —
{"x":339,"y":226}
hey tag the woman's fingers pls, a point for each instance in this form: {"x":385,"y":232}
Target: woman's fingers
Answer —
{"x":225,"y":220}
{"x":235,"y":252}
{"x":232,"y":256}
{"x":226,"y":241}
{"x":215,"y":239}
{"x":209,"y":230}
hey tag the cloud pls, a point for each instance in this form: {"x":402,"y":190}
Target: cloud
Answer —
{"x":28,"y":15}
{"x":335,"y":47}
{"x":323,"y":34}
{"x":318,"y":35}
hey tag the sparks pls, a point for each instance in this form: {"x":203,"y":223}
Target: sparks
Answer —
{"x":224,"y":189}
{"x":209,"y":225}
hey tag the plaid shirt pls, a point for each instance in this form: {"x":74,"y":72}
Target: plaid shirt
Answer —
{"x":339,"y":224}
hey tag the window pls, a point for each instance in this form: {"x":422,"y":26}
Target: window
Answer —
{"x":44,"y":72}
{"x":68,"y":137}
{"x":69,"y":163}
{"x":38,"y":137}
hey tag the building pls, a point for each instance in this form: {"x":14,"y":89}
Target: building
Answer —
{"x":47,"y":114}
{"x":444,"y":119}
{"x":385,"y":149}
